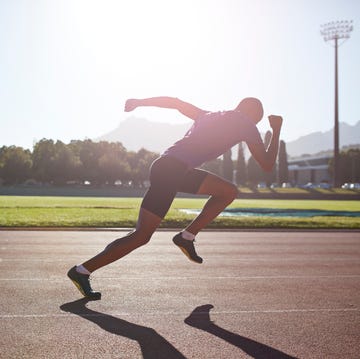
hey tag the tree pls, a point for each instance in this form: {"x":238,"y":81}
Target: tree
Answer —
{"x":269,"y":177}
{"x":241,"y":170}
{"x":42,"y":157}
{"x":140,"y":163}
{"x":283,"y":172}
{"x":213,"y":166}
{"x":64,"y":164}
{"x":254,"y":171}
{"x":104,"y":162}
{"x":112,"y":164}
{"x":15,"y":164}
{"x":89,"y":153}
{"x":349,"y":166}
{"x":255,"y":174}
{"x":54,"y":162}
{"x":112,"y":168}
{"x":228,"y":166}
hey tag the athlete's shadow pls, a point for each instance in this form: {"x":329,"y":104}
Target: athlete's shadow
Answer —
{"x":153,"y":345}
{"x":200,"y":318}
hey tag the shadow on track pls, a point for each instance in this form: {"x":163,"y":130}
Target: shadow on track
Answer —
{"x":200,"y":318}
{"x":153,"y":345}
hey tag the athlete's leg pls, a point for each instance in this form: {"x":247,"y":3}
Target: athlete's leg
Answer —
{"x":164,"y":176}
{"x":222,"y":194}
{"x":146,"y":226}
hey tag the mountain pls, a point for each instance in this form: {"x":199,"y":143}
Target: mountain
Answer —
{"x":322,"y":141}
{"x":136,"y":133}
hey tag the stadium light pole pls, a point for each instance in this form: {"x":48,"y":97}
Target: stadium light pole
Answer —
{"x":335,"y":31}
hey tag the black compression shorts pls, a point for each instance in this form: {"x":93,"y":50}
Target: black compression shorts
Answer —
{"x":168,"y":176}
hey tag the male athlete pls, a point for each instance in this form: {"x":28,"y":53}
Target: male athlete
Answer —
{"x":211,"y":135}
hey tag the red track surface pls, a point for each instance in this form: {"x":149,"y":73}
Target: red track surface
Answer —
{"x":257,"y":294}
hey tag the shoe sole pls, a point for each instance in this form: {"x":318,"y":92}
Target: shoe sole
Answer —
{"x":187,"y":254}
{"x":78,"y":286}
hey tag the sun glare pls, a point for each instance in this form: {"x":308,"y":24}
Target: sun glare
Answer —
{"x":134,"y":35}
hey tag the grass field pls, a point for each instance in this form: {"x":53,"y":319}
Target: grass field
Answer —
{"x":26,"y":211}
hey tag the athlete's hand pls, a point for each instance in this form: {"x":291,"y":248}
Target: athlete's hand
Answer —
{"x":275,"y":122}
{"x":131,"y":104}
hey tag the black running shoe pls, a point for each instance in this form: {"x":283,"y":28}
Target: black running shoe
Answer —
{"x":82,"y":283}
{"x":187,"y":247}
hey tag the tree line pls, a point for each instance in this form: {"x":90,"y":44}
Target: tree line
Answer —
{"x":101,"y":163}
{"x":249,"y":172}
{"x":349,"y":166}
{"x":57,"y":163}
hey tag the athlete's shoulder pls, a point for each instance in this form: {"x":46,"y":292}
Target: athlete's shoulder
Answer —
{"x":206,"y":114}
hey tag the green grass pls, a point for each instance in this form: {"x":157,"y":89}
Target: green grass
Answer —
{"x":303,"y":191}
{"x":122,"y":212}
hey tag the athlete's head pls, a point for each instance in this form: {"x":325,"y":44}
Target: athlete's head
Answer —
{"x":251,"y":107}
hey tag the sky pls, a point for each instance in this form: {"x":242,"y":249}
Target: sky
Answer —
{"x":67,"y":67}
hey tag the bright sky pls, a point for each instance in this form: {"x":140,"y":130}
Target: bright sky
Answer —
{"x":67,"y":67}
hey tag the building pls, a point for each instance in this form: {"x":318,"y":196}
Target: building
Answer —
{"x":312,"y":168}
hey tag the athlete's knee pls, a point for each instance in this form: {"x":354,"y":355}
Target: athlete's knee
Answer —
{"x":220,"y":188}
{"x":141,"y":237}
{"x":134,"y":239}
{"x":229,"y":192}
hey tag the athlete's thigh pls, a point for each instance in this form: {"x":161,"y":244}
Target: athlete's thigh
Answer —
{"x":192,"y":181}
{"x":216,"y":185}
{"x":165,"y":176}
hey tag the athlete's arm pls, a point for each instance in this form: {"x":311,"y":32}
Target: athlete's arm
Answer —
{"x":185,"y":108}
{"x":267,"y":157}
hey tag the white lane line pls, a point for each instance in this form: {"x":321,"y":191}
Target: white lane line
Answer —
{"x":209,"y":260}
{"x":234,"y":312}
{"x":57,"y":279}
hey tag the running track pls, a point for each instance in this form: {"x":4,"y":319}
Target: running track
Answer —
{"x":257,"y":295}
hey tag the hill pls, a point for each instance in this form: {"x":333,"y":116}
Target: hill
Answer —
{"x":136,"y":133}
{"x":322,"y":141}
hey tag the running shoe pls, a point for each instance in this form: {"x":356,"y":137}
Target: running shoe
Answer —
{"x":187,"y":247}
{"x":82,"y":282}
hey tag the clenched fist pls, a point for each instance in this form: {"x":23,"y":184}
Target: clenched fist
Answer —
{"x":275,"y":122}
{"x":130,"y":104}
